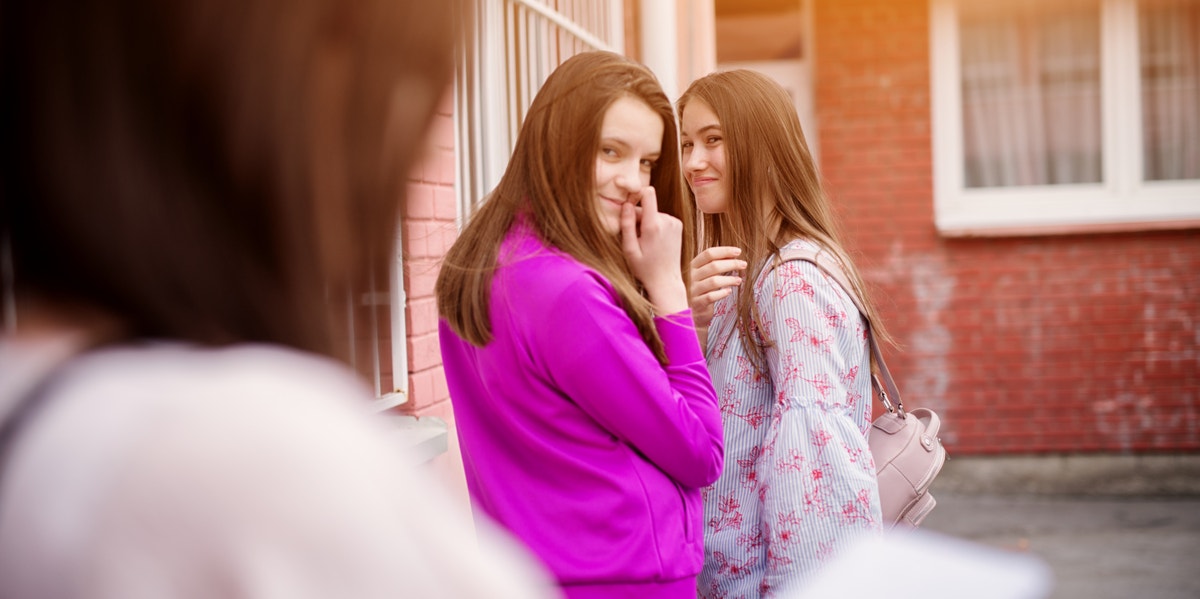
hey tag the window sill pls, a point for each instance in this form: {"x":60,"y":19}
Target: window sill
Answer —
{"x":390,"y":400}
{"x":984,"y":230}
{"x":421,"y":439}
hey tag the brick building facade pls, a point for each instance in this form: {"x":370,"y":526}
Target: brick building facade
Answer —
{"x":1082,"y":341}
{"x":1086,"y":342}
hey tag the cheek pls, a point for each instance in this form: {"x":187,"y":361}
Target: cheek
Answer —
{"x":718,"y":160}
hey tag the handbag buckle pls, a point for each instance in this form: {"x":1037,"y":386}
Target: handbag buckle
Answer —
{"x":892,"y":408}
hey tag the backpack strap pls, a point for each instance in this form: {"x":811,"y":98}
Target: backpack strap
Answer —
{"x":887,"y":390}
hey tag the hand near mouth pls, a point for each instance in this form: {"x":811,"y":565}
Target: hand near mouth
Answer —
{"x":652,"y":243}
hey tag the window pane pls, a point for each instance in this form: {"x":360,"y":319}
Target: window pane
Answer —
{"x":1031,"y":92}
{"x":1169,"y":34}
{"x":364,"y":332}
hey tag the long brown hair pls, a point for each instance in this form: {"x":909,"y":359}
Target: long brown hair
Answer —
{"x":550,"y":179}
{"x":212,"y":171}
{"x":775,"y":190}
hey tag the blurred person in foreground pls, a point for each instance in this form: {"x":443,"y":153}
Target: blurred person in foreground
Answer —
{"x":587,"y":419}
{"x":184,"y":184}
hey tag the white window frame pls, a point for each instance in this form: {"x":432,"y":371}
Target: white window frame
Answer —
{"x":1122,"y":201}
{"x":496,"y":82}
{"x":420,"y":439}
{"x":397,"y":302}
{"x":795,"y":76}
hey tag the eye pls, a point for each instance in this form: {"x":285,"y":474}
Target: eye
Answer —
{"x":649,"y":164}
{"x":712,"y":139}
{"x":608,"y":151}
{"x":687,"y":145}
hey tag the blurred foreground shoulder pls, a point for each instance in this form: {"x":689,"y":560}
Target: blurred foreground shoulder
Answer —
{"x":256,"y":471}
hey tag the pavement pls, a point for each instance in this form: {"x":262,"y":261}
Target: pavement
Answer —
{"x":1107,"y":527}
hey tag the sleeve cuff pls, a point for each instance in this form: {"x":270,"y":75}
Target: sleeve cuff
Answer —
{"x":678,"y":333}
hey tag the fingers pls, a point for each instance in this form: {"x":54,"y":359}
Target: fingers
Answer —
{"x":719,"y":252}
{"x":707,"y":300}
{"x":629,"y":233}
{"x":705,"y":285}
{"x":702,"y":305}
{"x":649,"y":201}
{"x":652,"y":243}
{"x":714,"y":277}
{"x":716,"y":267}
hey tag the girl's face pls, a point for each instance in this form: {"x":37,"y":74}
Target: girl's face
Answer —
{"x":704,"y":157}
{"x":630,"y":144}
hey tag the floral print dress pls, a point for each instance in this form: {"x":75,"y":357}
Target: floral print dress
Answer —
{"x":799,"y":481}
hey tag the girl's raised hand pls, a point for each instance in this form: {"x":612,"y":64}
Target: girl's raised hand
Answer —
{"x":654,"y":252}
{"x":715,"y":274}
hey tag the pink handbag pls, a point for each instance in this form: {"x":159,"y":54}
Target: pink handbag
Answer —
{"x":908,"y":453}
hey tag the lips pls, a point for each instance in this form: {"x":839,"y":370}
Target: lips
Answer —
{"x":702,"y":181}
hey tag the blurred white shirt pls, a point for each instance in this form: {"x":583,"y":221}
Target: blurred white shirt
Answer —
{"x":167,"y":470}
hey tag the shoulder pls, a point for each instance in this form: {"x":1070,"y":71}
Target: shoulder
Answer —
{"x":191,"y":382}
{"x":178,"y":458}
{"x":178,"y":421}
{"x":530,"y":269}
{"x":214,"y":409}
{"x":782,"y":279}
{"x":799,"y":281}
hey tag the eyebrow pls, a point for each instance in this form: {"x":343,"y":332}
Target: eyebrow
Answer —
{"x":704,"y":129}
{"x":625,"y":145}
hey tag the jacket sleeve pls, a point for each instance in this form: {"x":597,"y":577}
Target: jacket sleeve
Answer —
{"x":822,"y":492}
{"x":596,"y":356}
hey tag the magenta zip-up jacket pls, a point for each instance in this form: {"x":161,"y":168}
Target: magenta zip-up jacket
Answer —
{"x":575,"y":438}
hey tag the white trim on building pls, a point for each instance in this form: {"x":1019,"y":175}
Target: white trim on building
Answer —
{"x":1120,"y":200}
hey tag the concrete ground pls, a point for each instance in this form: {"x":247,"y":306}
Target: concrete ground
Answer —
{"x":1109,"y":527}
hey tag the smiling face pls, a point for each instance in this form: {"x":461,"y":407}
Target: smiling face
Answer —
{"x":704,"y":157}
{"x":630,"y":144}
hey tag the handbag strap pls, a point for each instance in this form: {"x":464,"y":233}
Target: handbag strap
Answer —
{"x":887,"y":390}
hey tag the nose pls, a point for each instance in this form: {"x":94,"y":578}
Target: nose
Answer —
{"x":629,"y":181}
{"x":695,"y":160}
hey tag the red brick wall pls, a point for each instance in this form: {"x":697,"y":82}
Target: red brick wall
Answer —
{"x":428,"y":231}
{"x":1038,"y":344}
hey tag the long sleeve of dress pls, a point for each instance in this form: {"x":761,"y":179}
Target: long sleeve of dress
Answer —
{"x":819,"y":489}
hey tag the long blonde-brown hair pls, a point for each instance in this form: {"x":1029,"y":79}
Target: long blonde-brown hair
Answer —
{"x":775,"y":190}
{"x":551,"y":180}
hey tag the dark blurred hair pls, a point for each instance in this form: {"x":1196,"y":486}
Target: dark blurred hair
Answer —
{"x":551,"y":178}
{"x":212,"y":170}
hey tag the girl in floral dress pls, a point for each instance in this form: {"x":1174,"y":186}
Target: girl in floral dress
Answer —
{"x":786,"y":346}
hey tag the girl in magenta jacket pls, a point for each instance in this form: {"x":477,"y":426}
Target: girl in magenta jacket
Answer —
{"x":586,"y":415}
